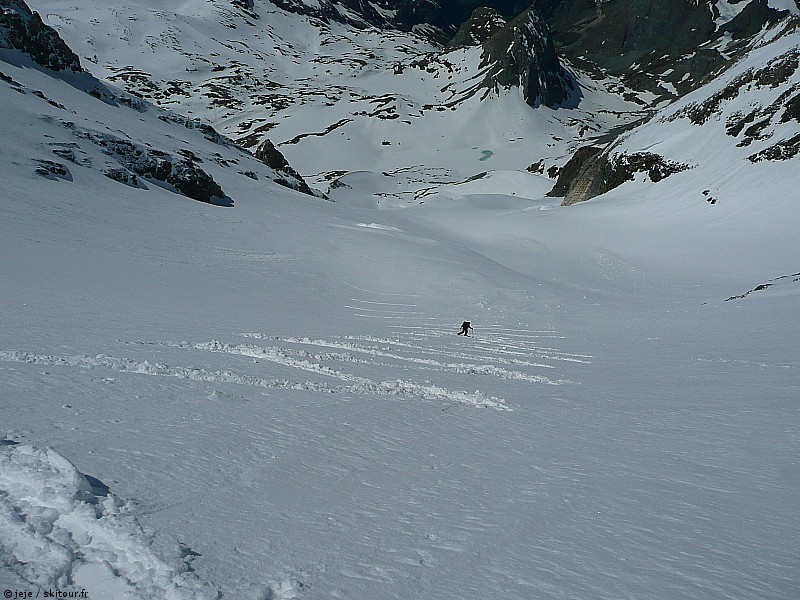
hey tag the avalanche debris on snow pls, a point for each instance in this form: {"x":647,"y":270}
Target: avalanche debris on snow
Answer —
{"x":62,"y":529}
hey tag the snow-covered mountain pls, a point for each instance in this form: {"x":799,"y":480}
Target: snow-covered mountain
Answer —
{"x":260,"y":394}
{"x":339,"y":90}
{"x":337,"y":99}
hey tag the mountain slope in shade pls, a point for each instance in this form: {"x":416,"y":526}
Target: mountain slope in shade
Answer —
{"x":24,"y":30}
{"x":522,"y":54}
{"x":667,"y":47}
{"x":725,"y":137}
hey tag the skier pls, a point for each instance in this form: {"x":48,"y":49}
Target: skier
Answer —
{"x":465,"y":327}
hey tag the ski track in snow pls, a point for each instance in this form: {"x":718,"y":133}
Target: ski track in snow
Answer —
{"x":359,"y":385}
{"x":59,"y":535}
{"x":423,"y":356}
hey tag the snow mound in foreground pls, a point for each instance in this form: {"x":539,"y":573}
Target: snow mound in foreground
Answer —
{"x":62,"y":529}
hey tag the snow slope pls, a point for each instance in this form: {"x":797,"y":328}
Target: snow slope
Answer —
{"x":295,"y":408}
{"x":268,"y":400}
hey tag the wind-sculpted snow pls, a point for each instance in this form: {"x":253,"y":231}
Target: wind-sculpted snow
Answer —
{"x":62,"y":529}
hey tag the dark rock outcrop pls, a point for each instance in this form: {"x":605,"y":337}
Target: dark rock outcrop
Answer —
{"x":122,"y":176}
{"x":268,"y":154}
{"x":635,"y":39}
{"x":211,"y":134}
{"x":420,"y":12}
{"x":522,"y":54}
{"x":181,"y":173}
{"x":23,"y":30}
{"x":666,"y":47}
{"x":570,"y":171}
{"x":655,"y":45}
{"x":759,"y":122}
{"x":52,"y":170}
{"x":782,"y":150}
{"x":751,"y":20}
{"x":192,"y":181}
{"x":397,"y":14}
{"x":437,"y":19}
{"x":596,"y":172}
{"x":782,"y":280}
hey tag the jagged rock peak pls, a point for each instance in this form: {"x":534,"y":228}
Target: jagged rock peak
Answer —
{"x":522,"y":54}
{"x":482,"y":25}
{"x":268,"y":154}
{"x":23,"y":30}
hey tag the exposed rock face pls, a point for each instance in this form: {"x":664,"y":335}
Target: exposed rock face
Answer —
{"x":751,"y":20}
{"x":211,"y":134}
{"x":755,"y":106}
{"x":595,"y":172}
{"x":522,"y":54}
{"x":272,"y":157}
{"x":190,"y":180}
{"x":482,"y":25}
{"x":246,"y":6}
{"x":776,"y":73}
{"x":782,"y":280}
{"x":570,"y":171}
{"x":52,"y":170}
{"x":135,"y":160}
{"x":23,"y":30}
{"x":419,"y":12}
{"x":783,"y":150}
{"x":666,"y":47}
{"x":594,"y":177}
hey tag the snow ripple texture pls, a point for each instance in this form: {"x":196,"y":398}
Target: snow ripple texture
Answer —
{"x":58,"y":531}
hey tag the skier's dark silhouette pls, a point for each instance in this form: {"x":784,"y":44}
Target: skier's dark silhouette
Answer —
{"x":465,"y":327}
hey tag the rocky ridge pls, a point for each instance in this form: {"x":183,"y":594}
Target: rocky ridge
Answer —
{"x":521,"y":53}
{"x":23,"y":30}
{"x":135,"y":163}
{"x":480,"y":27}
